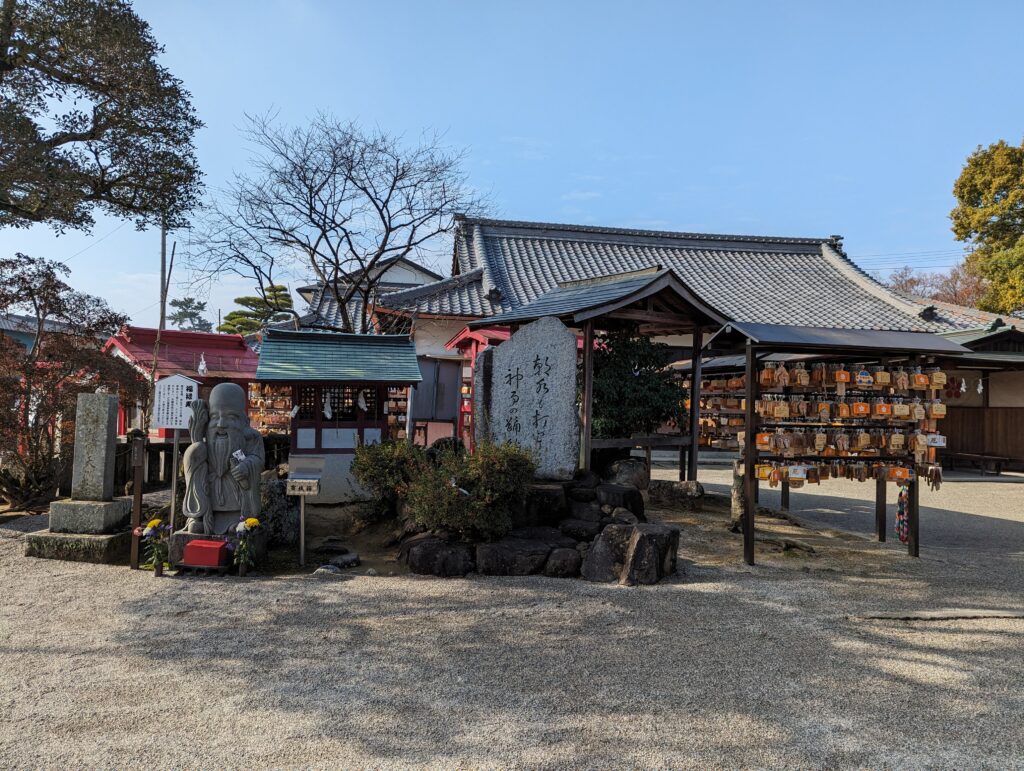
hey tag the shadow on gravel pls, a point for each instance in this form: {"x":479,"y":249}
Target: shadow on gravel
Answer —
{"x":734,"y":669}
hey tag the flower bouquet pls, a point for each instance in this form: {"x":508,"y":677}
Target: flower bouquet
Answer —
{"x":244,"y":531}
{"x":155,"y":534}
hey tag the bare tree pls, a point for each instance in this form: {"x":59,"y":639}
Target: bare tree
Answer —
{"x":335,"y":200}
{"x":960,"y":285}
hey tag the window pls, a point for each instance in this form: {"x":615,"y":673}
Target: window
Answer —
{"x":337,"y":418}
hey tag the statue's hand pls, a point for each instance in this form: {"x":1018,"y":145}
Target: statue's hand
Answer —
{"x":239,"y":473}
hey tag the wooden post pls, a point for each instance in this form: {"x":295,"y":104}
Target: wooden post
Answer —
{"x":138,"y":440}
{"x":749,"y":455}
{"x":586,"y":424}
{"x":174,"y":484}
{"x":683,"y":463}
{"x":880,"y":509}
{"x":784,"y":494}
{"x":696,"y":369}
{"x":914,"y":518}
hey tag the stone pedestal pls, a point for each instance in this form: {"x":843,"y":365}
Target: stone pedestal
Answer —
{"x":112,"y":549}
{"x":90,"y":517}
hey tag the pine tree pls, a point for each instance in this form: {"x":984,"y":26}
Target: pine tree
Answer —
{"x":188,"y":315}
{"x":257,"y":312}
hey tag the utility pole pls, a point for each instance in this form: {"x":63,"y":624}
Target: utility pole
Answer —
{"x":163,"y":275}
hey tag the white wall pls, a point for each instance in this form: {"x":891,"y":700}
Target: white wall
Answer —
{"x":431,"y":335}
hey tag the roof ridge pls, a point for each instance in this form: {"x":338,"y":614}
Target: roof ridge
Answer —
{"x":871,"y":285}
{"x":434,"y":287}
{"x":668,"y":234}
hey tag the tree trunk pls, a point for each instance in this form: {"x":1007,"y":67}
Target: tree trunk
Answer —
{"x":738,"y":498}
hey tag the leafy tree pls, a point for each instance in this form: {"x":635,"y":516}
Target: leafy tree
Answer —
{"x":188,"y":315}
{"x":274,"y":306}
{"x":39,"y":385}
{"x":990,"y":215}
{"x":332,"y":199}
{"x":89,"y":120}
{"x":633,"y":392}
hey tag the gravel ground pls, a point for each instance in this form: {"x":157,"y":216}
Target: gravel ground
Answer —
{"x":724,"y":667}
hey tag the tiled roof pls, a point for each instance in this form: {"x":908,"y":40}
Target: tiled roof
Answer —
{"x":461,"y":295}
{"x":799,"y":281}
{"x":336,"y":356}
{"x":955,"y":316}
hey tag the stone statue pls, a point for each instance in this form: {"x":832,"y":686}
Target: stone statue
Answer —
{"x":223,"y":463}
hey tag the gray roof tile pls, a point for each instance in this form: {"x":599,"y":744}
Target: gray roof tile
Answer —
{"x":772,"y":280}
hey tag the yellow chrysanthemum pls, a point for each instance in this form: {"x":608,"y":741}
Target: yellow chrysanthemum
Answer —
{"x":252,"y":522}
{"x":154,"y":523}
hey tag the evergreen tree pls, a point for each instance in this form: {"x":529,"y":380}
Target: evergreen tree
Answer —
{"x":257,"y":312}
{"x":188,"y":315}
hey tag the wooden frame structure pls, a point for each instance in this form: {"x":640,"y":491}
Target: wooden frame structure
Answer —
{"x":657,"y":302}
{"x":762,"y":339}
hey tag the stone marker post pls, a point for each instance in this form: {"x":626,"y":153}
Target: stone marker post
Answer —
{"x":92,"y":508}
{"x":525,"y":393}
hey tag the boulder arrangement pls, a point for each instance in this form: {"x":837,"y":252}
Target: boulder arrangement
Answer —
{"x":586,"y":527}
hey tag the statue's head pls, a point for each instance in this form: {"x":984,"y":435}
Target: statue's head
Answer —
{"x":227,"y":414}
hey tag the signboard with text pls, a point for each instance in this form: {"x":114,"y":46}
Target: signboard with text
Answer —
{"x":172,"y":401}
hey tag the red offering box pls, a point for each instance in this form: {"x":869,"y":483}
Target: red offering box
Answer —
{"x":206,"y":554}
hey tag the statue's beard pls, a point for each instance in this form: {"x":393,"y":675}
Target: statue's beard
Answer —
{"x":221,"y":445}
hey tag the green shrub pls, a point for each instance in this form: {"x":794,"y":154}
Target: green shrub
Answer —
{"x":476,"y":495}
{"x":387,"y":469}
{"x":633,"y":392}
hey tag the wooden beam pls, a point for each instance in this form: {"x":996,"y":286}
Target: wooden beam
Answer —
{"x":880,"y":509}
{"x":653,"y":317}
{"x":749,"y":456}
{"x":914,"y":517}
{"x":586,"y":422}
{"x":696,"y":360}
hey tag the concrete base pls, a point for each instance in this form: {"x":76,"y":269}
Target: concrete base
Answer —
{"x":88,"y":516}
{"x":176,"y":547}
{"x":105,"y":549}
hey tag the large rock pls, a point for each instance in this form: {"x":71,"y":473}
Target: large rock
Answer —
{"x":92,"y":477}
{"x":552,"y":536}
{"x":580,"y":529}
{"x":626,"y":496}
{"x":607,"y":554}
{"x":89,"y":516}
{"x":650,"y":554}
{"x":525,"y":392}
{"x":685,"y":495}
{"x":511,"y":557}
{"x":545,"y":504}
{"x":630,"y":471}
{"x":582,"y":494}
{"x":583,"y":510}
{"x":433,"y":556}
{"x":563,"y":563}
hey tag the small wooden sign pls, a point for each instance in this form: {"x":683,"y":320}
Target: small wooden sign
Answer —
{"x":303,"y":486}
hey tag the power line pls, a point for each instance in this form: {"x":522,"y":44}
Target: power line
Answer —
{"x":97,"y":241}
{"x":910,"y":254}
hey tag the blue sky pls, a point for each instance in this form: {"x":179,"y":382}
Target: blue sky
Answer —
{"x":802,"y":119}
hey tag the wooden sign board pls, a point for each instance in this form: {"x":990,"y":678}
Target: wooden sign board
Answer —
{"x":172,"y":401}
{"x":303,"y":486}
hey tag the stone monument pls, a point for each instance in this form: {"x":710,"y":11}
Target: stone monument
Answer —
{"x":222,"y":468}
{"x":91,"y":526}
{"x":525,"y":393}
